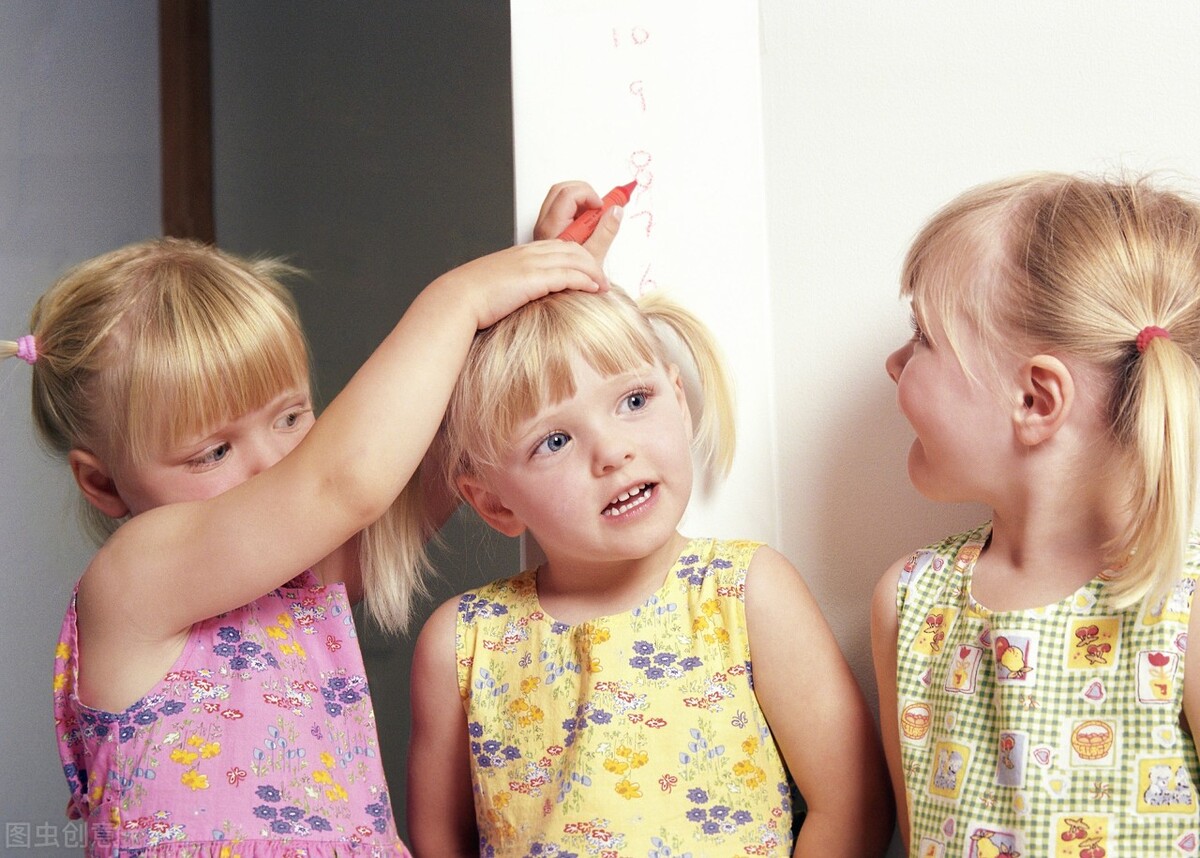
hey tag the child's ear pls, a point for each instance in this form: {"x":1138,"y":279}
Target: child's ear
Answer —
{"x":676,"y":376}
{"x":1047,"y":396}
{"x":489,"y":506}
{"x":93,"y":479}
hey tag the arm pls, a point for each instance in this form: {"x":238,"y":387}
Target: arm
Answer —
{"x":228,"y":550}
{"x":441,"y":802}
{"x":817,"y":715}
{"x":885,"y":628}
{"x":1191,"y":675}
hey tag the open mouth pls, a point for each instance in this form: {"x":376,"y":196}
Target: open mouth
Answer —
{"x":629,"y":499}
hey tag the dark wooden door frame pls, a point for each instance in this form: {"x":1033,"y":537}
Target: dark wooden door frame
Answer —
{"x":185,"y":92}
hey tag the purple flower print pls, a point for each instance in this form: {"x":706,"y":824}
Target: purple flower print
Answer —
{"x":471,"y":606}
{"x":660,"y":664}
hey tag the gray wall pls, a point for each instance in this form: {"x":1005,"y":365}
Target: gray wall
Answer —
{"x":79,"y":174}
{"x":374,"y":148}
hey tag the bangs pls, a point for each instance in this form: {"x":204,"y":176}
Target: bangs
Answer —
{"x":523,"y":363}
{"x":212,"y":347}
{"x":954,"y":270}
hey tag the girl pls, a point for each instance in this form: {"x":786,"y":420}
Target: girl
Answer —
{"x":1031,"y":672}
{"x":639,"y":692}
{"x":195,"y":714}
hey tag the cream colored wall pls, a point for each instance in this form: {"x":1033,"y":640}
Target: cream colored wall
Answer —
{"x":875,"y":115}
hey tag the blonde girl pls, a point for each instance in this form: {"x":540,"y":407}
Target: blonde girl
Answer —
{"x":209,"y":692}
{"x":639,"y":692}
{"x":1033,"y":684}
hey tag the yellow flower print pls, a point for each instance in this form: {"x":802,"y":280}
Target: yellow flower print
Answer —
{"x":194,"y":780}
{"x":712,"y":606}
{"x":529,"y":683}
{"x":284,"y":620}
{"x":625,"y":759}
{"x":751,"y":775}
{"x":699,"y":624}
{"x":62,"y":651}
{"x":209,"y":750}
{"x":294,"y":649}
{"x":722,"y":635}
{"x":525,"y":714}
{"x":628,"y":790}
{"x":322,"y":777}
{"x":750,"y":746}
{"x":195,"y":741}
{"x":501,"y":800}
{"x":336,"y":793}
{"x":616,"y":766}
{"x":60,"y":679}
{"x":183,"y":757}
{"x":327,"y":759}
{"x":276,"y":632}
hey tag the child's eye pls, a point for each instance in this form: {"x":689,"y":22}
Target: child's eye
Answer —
{"x":552,"y":443}
{"x":918,"y":335}
{"x":291,"y":419}
{"x":636,"y":401}
{"x":211,"y":456}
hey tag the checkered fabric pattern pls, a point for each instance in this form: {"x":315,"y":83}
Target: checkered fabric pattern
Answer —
{"x":1052,"y":731}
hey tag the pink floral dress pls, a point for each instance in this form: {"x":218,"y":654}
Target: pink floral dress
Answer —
{"x":259,"y":742}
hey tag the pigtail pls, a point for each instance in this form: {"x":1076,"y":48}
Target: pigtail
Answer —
{"x":692,"y":346}
{"x":1161,"y":414}
{"x":395,"y":564}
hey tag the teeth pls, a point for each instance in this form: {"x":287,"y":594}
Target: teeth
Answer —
{"x":635,"y":497}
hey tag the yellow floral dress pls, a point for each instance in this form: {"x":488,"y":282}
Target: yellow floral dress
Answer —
{"x":631,"y":735}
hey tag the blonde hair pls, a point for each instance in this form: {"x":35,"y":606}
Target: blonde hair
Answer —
{"x":175,"y":321}
{"x":1078,"y":266}
{"x":523,"y":363}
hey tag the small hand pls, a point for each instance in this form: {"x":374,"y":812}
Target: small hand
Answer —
{"x":500,"y":282}
{"x":567,"y":201}
{"x":564,"y":202}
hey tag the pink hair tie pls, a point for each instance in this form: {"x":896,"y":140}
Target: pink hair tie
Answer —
{"x":1148,"y":333}
{"x":27,"y":349}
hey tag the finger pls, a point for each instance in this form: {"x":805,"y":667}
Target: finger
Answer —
{"x":606,"y":231}
{"x":565,"y":202}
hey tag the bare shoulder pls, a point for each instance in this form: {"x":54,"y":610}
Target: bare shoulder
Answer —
{"x":883,"y":600}
{"x":1191,"y":672}
{"x":771,"y":578}
{"x":435,"y":643}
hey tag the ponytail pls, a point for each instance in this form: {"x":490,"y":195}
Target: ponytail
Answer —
{"x":395,"y":565}
{"x":1159,"y":414}
{"x":690,"y":344}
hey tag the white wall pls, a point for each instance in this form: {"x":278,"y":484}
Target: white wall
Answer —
{"x":876,"y":114}
{"x":79,"y":174}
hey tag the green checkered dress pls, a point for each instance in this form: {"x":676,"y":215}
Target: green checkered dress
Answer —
{"x":1044,"y":732}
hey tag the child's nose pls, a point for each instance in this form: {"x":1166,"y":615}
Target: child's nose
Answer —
{"x":611,"y":453}
{"x":266,"y":452}
{"x":896,"y":360}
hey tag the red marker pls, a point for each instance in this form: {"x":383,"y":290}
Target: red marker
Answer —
{"x":583,"y":226}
